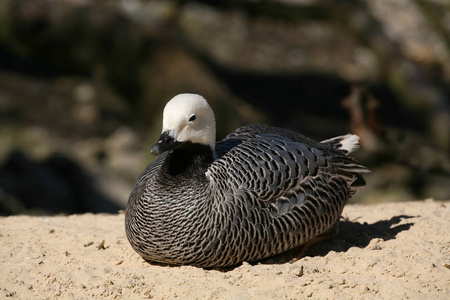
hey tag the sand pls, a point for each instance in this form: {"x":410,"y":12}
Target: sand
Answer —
{"x":384,"y":251}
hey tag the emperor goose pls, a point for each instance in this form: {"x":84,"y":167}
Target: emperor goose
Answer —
{"x":259,"y":192}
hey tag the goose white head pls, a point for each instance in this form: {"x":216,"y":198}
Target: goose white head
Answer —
{"x":186,"y":118}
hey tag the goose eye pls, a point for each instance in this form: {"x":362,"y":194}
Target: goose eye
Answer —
{"x":192,"y":118}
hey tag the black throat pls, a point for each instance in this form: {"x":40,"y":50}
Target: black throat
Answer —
{"x":188,"y":159}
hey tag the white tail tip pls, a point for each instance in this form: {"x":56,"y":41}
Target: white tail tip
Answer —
{"x":350,"y":143}
{"x":346,"y":143}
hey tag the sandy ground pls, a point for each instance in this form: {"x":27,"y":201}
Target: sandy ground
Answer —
{"x":384,"y":251}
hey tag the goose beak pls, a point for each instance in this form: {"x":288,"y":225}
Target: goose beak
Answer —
{"x":165,"y":142}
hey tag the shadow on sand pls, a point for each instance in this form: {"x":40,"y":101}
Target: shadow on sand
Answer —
{"x":354,"y":234}
{"x":351,"y":234}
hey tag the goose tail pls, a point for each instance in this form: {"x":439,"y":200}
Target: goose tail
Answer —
{"x":347,"y":143}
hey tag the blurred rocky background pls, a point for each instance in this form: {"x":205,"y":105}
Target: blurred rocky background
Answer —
{"x":83,"y":84}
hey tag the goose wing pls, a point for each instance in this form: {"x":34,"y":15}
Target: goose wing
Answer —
{"x":279,"y":166}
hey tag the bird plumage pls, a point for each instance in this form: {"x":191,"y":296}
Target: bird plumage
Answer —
{"x":261,"y":192}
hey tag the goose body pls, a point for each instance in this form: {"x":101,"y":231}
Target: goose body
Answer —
{"x":259,"y":192}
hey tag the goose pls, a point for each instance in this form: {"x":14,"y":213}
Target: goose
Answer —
{"x":260,"y":192}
